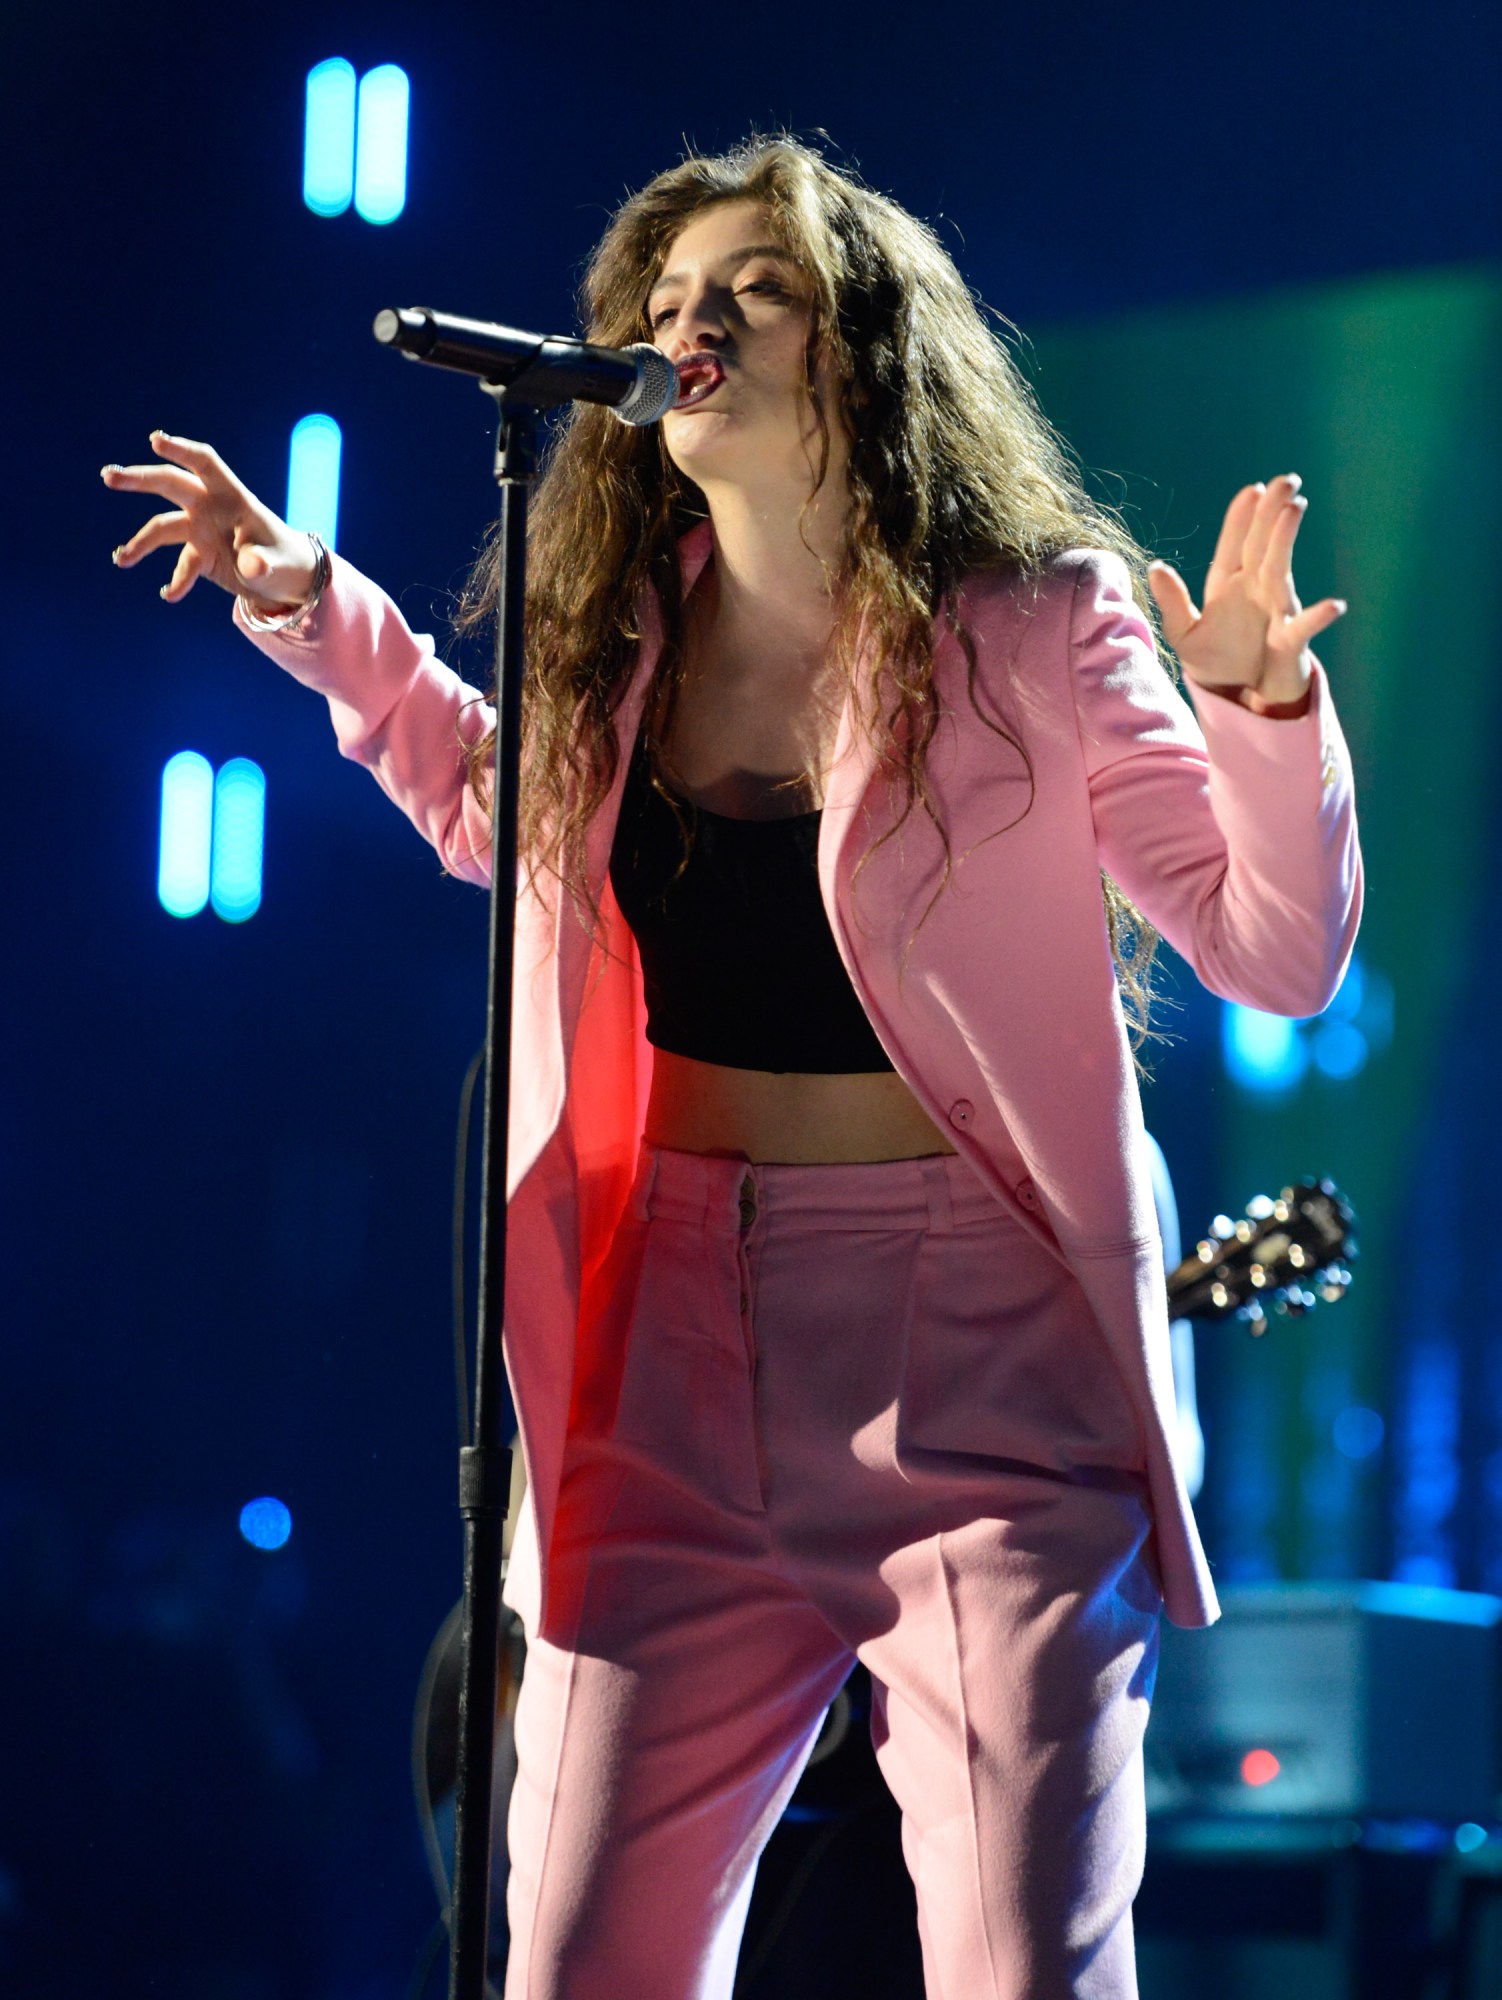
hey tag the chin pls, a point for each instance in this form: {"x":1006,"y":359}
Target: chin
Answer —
{"x":705,"y":448}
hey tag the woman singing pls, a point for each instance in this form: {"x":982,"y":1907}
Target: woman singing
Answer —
{"x":835,"y":1309}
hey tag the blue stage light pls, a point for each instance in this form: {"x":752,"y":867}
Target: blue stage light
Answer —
{"x":1358,"y":1432}
{"x":1469,"y":1836}
{"x":381,"y":145}
{"x":328,"y":154}
{"x":182,"y":869}
{"x":1262,"y":1052}
{"x":239,"y":839}
{"x":1340,"y":1049}
{"x":313,"y":476}
{"x":265,"y":1523}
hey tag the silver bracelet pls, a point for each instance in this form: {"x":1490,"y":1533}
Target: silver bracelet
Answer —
{"x":323,"y":569}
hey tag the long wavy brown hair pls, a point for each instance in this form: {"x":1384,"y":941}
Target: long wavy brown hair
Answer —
{"x":953,"y":469}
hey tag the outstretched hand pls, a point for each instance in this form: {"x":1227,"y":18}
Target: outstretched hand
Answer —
{"x":1252,"y":633}
{"x":225,"y":532}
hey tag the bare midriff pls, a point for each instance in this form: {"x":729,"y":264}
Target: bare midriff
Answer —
{"x":794,"y":1119}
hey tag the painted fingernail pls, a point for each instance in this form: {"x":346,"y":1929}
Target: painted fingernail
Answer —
{"x":106,"y":470}
{"x":1341,"y":606}
{"x":164,"y":589}
{"x":1294,"y":481}
{"x":115,"y":555}
{"x":1300,"y":501}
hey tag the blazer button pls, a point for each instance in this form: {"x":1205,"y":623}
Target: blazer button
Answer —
{"x":961,"y":1112}
{"x":1027,"y":1194}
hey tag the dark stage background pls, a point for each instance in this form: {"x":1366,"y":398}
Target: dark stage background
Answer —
{"x":1237,"y":241}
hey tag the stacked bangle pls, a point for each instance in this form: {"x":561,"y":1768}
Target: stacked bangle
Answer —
{"x":290,"y":620}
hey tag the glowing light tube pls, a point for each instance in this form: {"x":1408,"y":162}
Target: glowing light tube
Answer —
{"x":328,"y":148}
{"x":182,"y":869}
{"x":239,"y":839}
{"x":381,"y":151}
{"x":313,"y":476}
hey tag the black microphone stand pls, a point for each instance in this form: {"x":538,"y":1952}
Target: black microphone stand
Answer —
{"x":485,"y":1464}
{"x":524,"y":374}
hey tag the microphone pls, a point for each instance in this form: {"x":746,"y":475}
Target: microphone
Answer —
{"x":639,"y":383}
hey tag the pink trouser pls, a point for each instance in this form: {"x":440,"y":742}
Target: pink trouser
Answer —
{"x":861,"y":1413}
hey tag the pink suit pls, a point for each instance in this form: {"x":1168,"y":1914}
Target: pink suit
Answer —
{"x":1236,"y":838}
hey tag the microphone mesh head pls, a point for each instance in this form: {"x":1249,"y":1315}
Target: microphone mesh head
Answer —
{"x":655,"y":389}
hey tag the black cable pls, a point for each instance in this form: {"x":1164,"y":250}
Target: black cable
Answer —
{"x":461,"y":1193}
{"x":438,"y":1936}
{"x":427,"y":1958}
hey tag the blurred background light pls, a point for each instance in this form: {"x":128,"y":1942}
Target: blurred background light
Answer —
{"x":328,"y":156}
{"x":266,"y":1523}
{"x":1426,"y":1446}
{"x":1268,"y":1055}
{"x":313,"y":476}
{"x":1340,"y":1049}
{"x":1349,"y":994}
{"x":1259,"y":1767}
{"x":381,"y":144}
{"x":239,"y":839}
{"x":1262,"y":1052}
{"x":182,"y":869}
{"x":1358,"y":1432}
{"x":1469,"y":1836}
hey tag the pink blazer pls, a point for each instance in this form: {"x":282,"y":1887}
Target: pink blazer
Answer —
{"x":1234,"y":834}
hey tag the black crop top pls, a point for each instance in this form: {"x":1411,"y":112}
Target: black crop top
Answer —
{"x":738,"y":960}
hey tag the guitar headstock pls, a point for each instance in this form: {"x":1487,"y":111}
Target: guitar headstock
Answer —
{"x":1283,"y":1256}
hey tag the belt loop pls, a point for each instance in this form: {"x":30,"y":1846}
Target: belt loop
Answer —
{"x":936,"y":1186}
{"x":646,"y":1180}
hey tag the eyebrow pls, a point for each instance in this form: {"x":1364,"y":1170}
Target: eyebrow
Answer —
{"x":730,"y":257}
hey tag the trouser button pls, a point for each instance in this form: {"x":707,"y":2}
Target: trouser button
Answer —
{"x":748,"y":1202}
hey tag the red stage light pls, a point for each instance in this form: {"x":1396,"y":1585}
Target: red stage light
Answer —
{"x":1259,"y":1767}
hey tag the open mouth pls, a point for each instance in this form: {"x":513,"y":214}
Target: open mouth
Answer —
{"x":699,"y":375}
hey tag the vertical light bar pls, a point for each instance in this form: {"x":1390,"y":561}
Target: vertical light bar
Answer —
{"x":381,"y":152}
{"x":182,"y":869}
{"x":328,"y":146}
{"x":313,"y":476}
{"x":239,"y":837}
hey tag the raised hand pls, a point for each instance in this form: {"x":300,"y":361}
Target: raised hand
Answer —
{"x":1252,"y":633}
{"x":226,"y":534}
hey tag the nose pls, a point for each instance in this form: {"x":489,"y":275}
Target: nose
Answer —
{"x":699,"y":322}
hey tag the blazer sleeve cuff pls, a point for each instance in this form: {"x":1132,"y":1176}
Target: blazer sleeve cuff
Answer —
{"x":1306,"y":752}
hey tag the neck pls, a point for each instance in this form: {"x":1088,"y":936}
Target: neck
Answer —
{"x":774,"y":572}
